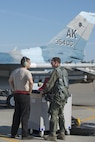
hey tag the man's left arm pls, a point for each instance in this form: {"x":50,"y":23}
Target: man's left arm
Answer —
{"x":30,"y":79}
{"x":30,"y":85}
{"x":11,"y":83}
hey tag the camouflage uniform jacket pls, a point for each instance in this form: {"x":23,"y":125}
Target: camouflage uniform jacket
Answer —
{"x":57,"y":86}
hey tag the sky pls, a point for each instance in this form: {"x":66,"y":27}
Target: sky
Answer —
{"x":30,"y":23}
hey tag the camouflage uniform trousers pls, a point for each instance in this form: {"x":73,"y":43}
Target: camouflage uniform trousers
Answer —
{"x":56,"y":116}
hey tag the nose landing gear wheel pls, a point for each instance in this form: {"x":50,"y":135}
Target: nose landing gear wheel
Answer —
{"x":10,"y":101}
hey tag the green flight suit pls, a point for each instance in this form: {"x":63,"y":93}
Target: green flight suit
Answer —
{"x":58,"y":101}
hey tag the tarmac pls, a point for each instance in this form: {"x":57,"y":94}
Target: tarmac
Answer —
{"x":83,"y":108}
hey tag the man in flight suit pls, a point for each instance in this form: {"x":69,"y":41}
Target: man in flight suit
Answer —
{"x":57,"y":86}
{"x":21,"y":83}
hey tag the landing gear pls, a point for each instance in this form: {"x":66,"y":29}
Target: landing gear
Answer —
{"x":10,"y":101}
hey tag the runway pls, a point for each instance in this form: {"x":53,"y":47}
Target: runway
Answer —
{"x":81,"y":112}
{"x":83,"y":107}
{"x":83,"y":94}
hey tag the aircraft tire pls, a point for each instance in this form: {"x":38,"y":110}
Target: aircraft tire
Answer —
{"x":10,"y":101}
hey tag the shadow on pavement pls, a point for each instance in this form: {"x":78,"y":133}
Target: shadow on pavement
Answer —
{"x":5,"y":131}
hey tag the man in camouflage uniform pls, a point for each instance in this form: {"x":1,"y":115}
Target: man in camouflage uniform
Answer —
{"x":57,"y":88}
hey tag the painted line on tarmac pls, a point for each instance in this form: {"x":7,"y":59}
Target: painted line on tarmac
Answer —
{"x":10,"y":139}
{"x":89,"y":118}
{"x":91,"y":109}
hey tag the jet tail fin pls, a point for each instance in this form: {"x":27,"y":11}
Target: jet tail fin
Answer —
{"x":69,"y":44}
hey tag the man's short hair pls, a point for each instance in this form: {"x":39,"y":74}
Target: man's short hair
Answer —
{"x":56,"y":59}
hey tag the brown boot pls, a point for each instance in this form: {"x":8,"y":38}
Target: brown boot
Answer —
{"x":61,"y":136}
{"x":50,"y":138}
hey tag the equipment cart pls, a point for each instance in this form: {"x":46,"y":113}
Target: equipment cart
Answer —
{"x":39,"y":117}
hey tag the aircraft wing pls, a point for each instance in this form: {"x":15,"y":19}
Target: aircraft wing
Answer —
{"x":81,"y":72}
{"x":81,"y":75}
{"x":78,"y":72}
{"x":87,"y":70}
